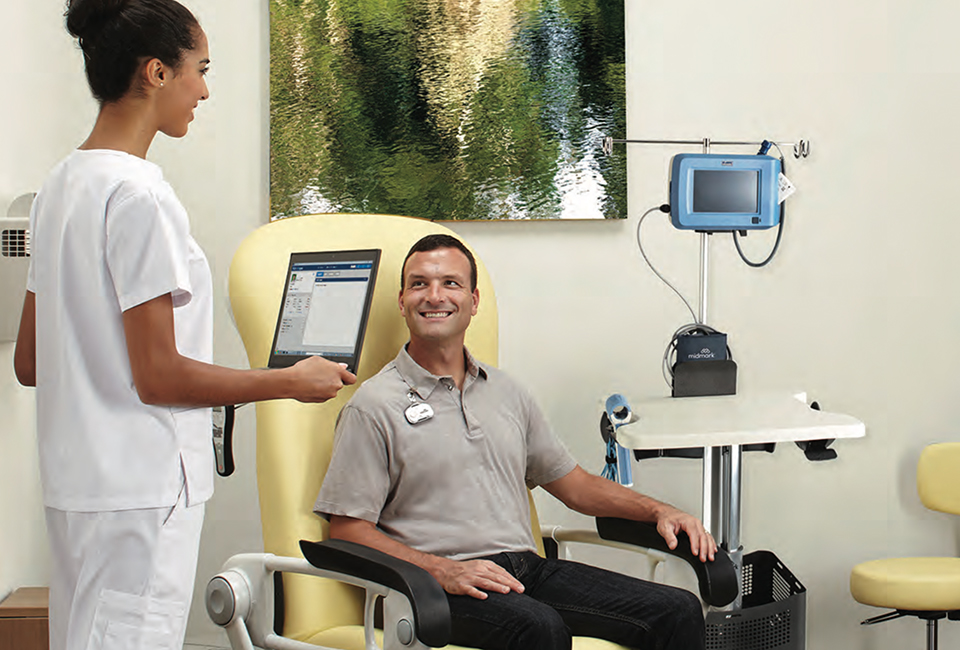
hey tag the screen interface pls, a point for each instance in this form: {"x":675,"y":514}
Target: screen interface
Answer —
{"x":726,"y":190}
{"x":324,"y":308}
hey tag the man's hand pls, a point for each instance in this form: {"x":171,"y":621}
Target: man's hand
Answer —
{"x":671,"y":521}
{"x":316,"y":379}
{"x":469,"y":577}
{"x":459,"y":578}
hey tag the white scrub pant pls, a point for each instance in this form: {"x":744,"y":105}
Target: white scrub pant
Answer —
{"x":122,"y":580}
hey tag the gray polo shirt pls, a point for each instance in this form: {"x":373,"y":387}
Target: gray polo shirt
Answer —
{"x":455,"y":484}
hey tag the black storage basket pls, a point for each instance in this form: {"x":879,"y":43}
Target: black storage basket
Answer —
{"x":773,"y":614}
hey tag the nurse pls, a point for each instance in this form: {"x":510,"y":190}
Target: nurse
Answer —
{"x":116,"y":334}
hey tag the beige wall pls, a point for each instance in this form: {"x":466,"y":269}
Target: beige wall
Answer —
{"x":43,"y":109}
{"x":857,"y":309}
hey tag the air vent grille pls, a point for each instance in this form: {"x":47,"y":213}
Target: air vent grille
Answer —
{"x":15,"y":243}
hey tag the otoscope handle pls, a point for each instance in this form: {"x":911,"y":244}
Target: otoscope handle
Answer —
{"x":223,"y":439}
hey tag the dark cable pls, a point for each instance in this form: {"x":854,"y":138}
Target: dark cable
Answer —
{"x":776,"y":244}
{"x":783,"y":214}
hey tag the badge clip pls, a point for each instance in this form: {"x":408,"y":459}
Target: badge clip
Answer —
{"x":418,"y":413}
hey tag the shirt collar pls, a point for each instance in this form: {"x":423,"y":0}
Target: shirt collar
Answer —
{"x":423,"y":382}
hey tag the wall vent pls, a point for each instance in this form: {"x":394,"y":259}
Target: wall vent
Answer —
{"x":15,"y":243}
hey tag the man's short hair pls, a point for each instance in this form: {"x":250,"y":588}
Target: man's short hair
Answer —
{"x":435,"y":242}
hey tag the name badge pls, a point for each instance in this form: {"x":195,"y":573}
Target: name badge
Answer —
{"x":418,"y":413}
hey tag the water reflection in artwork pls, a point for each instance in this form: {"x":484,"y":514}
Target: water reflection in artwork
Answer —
{"x":447,"y":109}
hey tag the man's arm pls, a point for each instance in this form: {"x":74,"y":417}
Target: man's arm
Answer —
{"x":599,"y":497}
{"x":468,"y":578}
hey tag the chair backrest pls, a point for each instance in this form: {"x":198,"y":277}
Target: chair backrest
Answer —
{"x":938,"y":477}
{"x":294,"y":441}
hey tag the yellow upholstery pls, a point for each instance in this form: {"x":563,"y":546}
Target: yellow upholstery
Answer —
{"x":938,"y":477}
{"x":351,"y":638}
{"x":294,"y":441}
{"x":911,"y":583}
{"x":919,"y":583}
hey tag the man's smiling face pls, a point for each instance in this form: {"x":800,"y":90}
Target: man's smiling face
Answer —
{"x":436,"y":299}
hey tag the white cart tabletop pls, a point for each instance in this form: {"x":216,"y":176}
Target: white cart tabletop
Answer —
{"x":717,"y":421}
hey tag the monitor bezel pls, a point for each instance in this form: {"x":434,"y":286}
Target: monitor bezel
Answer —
{"x":682,"y":170}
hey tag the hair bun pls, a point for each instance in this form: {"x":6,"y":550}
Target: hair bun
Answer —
{"x":86,"y":18}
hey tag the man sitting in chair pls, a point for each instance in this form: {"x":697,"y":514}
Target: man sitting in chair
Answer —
{"x":431,"y":464}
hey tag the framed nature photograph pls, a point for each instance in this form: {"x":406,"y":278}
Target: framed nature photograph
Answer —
{"x":447,"y":109}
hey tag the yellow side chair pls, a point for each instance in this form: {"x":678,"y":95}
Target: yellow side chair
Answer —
{"x":329,"y":601}
{"x":925,"y":587}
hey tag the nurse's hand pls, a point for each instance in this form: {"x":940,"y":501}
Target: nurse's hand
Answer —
{"x":316,"y":379}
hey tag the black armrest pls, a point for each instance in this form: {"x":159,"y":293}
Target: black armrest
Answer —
{"x":427,"y":598}
{"x":718,"y":579}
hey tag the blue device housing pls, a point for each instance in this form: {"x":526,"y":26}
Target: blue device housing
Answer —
{"x":716,"y":192}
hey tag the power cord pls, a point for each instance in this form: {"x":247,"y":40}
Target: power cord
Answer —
{"x":666,"y":210}
{"x":671,"y":351}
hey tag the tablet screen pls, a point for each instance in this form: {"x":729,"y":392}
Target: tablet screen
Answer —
{"x":325,"y":305}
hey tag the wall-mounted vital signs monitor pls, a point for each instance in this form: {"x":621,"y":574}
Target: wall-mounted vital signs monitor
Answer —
{"x":715,"y":192}
{"x":326,"y":300}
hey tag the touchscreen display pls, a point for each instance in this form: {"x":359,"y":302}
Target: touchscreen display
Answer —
{"x":325,"y":305}
{"x":726,"y":190}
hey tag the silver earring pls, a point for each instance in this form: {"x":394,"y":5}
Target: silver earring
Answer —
{"x":161,"y":84}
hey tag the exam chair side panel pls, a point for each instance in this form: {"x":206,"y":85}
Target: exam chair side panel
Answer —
{"x":294,"y":441}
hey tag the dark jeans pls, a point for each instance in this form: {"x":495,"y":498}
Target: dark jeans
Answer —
{"x":563,"y":599}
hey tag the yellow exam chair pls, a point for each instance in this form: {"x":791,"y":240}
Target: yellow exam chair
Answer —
{"x":329,"y":601}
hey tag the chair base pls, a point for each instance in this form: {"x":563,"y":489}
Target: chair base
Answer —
{"x":932,"y":619}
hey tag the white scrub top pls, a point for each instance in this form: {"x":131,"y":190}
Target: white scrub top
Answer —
{"x":108,"y":234}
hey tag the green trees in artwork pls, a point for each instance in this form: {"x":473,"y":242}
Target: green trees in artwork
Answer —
{"x":447,"y":109}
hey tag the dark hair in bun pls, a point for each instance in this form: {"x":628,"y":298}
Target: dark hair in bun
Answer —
{"x":116,"y":36}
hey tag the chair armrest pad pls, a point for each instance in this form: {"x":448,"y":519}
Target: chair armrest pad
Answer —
{"x":427,"y":598}
{"x":717,"y":579}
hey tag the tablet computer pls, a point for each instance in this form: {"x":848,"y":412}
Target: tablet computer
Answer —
{"x":326,"y":301}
